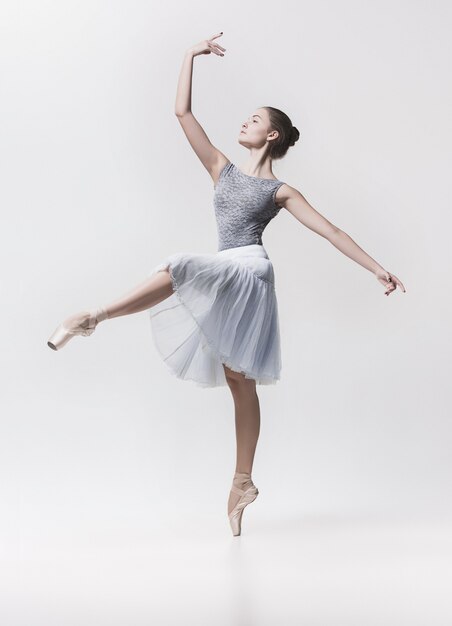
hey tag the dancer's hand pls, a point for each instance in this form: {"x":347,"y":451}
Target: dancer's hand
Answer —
{"x":390,"y":281}
{"x":207,"y":46}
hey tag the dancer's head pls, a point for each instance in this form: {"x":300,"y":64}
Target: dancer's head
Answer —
{"x":269,"y":127}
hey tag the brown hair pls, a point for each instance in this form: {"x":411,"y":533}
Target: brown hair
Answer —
{"x":287,"y":136}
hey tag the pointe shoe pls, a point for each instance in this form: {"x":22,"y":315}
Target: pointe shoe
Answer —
{"x":235,"y":516}
{"x":63,"y":334}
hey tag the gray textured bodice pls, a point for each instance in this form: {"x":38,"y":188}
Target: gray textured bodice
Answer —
{"x":244,"y":205}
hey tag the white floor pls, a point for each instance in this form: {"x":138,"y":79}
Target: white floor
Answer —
{"x":310,"y":571}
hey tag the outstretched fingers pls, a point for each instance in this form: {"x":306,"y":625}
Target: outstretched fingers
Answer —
{"x":215,"y":47}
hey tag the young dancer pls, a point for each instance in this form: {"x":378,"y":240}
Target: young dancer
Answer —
{"x":214,"y":317}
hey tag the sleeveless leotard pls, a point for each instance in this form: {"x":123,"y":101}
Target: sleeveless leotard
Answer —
{"x":244,"y":205}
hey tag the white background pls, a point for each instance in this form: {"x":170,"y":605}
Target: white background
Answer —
{"x":114,"y":474}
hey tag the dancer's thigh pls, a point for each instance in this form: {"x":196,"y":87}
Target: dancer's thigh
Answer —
{"x":162,"y":286}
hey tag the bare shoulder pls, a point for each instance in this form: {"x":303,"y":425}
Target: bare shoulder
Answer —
{"x":297,"y":205}
{"x":284,"y":193}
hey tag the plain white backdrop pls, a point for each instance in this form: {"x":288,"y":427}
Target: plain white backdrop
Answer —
{"x":114,"y":474}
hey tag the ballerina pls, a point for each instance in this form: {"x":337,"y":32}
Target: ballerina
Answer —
{"x":214,"y":317}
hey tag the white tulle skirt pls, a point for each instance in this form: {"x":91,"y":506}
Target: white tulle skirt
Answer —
{"x":223,"y":311}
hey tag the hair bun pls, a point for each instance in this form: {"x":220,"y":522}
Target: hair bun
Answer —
{"x":295,"y":135}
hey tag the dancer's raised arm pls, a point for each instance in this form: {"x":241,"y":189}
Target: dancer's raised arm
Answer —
{"x":212,"y":159}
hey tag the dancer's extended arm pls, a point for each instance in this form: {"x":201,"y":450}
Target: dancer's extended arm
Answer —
{"x":299,"y":207}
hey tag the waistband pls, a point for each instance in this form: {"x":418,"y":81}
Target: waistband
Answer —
{"x":253,"y":249}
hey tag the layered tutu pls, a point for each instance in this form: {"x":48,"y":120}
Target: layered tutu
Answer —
{"x":223,"y":311}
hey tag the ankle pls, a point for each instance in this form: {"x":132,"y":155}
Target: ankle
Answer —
{"x":242,"y":474}
{"x":101,"y":314}
{"x":242,"y":478}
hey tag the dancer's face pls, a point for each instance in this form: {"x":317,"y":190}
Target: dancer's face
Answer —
{"x":255,"y":130}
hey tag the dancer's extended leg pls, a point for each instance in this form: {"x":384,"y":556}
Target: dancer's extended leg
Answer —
{"x":150,"y":292}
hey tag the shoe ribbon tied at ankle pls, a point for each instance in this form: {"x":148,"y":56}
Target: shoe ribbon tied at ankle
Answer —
{"x":248,"y":495}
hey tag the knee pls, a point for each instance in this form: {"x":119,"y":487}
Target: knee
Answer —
{"x":237,"y":381}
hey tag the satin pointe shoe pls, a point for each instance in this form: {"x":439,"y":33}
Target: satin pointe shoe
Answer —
{"x":247,"y":495}
{"x":85,"y":328}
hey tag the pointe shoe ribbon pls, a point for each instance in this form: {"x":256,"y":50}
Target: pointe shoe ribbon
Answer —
{"x":63,"y":334}
{"x":235,"y":516}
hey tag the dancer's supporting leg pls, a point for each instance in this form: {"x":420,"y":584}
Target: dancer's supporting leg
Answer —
{"x":247,"y":427}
